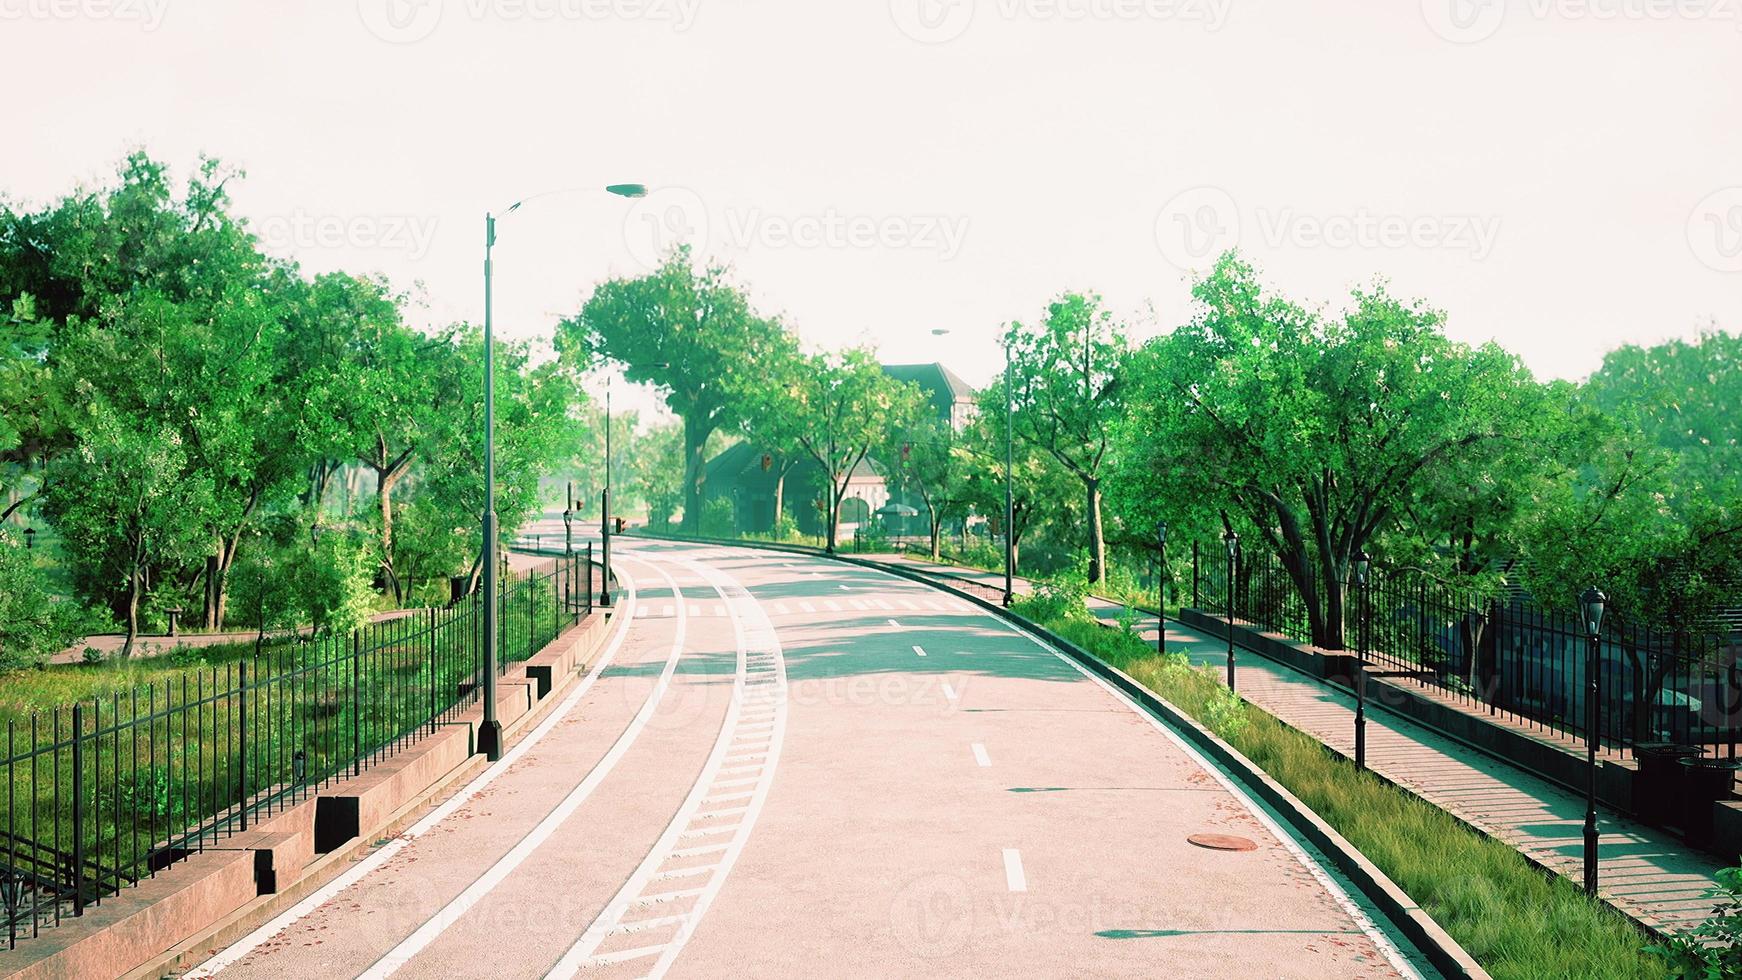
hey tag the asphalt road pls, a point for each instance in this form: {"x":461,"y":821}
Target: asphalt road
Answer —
{"x":790,"y":767}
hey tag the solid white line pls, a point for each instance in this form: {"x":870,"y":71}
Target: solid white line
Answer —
{"x":326,"y":893}
{"x":432,"y":928}
{"x":919,"y":650}
{"x":981,"y":757}
{"x":1013,"y":875}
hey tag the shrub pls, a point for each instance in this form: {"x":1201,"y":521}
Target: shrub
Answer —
{"x":1714,"y":948}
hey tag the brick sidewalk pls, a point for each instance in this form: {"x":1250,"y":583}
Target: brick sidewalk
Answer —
{"x":1647,"y":873}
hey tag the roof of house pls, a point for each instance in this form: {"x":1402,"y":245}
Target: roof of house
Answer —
{"x":945,"y":387}
{"x":745,"y":457}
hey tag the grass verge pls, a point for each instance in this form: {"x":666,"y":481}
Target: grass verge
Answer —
{"x":1516,"y":920}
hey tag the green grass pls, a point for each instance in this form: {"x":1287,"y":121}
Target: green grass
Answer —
{"x":1515,"y":919}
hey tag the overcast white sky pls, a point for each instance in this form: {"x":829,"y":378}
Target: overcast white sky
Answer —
{"x":1562,"y":175}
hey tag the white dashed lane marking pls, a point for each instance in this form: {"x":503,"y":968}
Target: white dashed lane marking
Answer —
{"x":1013,"y":875}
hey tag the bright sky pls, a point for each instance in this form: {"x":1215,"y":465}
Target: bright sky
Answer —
{"x":1562,"y":175}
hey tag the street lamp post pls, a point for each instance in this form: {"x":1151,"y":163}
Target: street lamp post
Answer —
{"x":1593,"y":601}
{"x":605,"y":528}
{"x":1161,"y":592}
{"x":1360,"y":563}
{"x":1232,"y":540}
{"x":1009,"y":494}
{"x":490,"y":731}
{"x":568,"y":521}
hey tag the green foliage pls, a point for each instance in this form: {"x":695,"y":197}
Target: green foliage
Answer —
{"x":1060,"y":599}
{"x":1067,"y":394}
{"x":693,"y":333}
{"x":1713,"y":949}
{"x":718,"y":520}
{"x":1311,"y":433}
{"x":32,"y":624}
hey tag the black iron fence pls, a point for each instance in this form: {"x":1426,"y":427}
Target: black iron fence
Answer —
{"x":113,"y":789}
{"x":1505,"y":655}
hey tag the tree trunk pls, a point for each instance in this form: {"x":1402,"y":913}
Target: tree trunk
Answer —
{"x":937,"y":528}
{"x":1097,"y":539}
{"x":211,"y":618}
{"x":133,"y":586}
{"x":695,"y":436}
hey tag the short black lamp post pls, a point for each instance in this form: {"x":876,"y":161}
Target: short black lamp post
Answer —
{"x":1161,"y":591}
{"x":1232,"y":540}
{"x":174,"y":615}
{"x":30,"y":539}
{"x":569,"y":522}
{"x":1360,"y":563}
{"x":1592,"y":603}
{"x":299,"y":766}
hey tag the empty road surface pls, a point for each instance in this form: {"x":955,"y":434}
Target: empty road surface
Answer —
{"x":782,"y":766}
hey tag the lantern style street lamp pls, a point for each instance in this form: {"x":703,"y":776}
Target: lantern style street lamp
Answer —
{"x":1232,"y":540}
{"x":1161,"y":592}
{"x":1592,"y":603}
{"x":1361,"y":562}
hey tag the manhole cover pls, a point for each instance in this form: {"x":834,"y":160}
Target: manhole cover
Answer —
{"x":1222,"y":842}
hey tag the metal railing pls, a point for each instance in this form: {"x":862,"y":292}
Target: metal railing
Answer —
{"x":113,"y":789}
{"x":1506,"y":656}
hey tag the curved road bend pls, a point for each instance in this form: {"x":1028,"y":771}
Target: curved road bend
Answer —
{"x":791,"y":766}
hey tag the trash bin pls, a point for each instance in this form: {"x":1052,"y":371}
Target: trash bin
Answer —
{"x":1705,"y":781}
{"x":1659,"y":783}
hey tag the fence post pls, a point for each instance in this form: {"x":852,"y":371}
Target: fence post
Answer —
{"x":77,"y":869}
{"x":242,"y":743}
{"x":357,"y":703}
{"x":1196,"y":602}
{"x":432,"y":670}
{"x":588,"y":588}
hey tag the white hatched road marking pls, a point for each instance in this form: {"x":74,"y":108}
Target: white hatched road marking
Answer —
{"x":949,"y":692}
{"x":357,"y":872}
{"x":433,"y":927}
{"x":919,"y":650}
{"x":981,"y":757}
{"x":761,"y":635}
{"x":895,"y":624}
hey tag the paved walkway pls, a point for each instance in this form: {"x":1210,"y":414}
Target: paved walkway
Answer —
{"x":1647,"y":873}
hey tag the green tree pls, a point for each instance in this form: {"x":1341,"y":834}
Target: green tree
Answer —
{"x":1067,"y":395}
{"x":1315,"y":431}
{"x":691,"y":332}
{"x":125,"y":503}
{"x":838,"y":409}
{"x":933,"y":464}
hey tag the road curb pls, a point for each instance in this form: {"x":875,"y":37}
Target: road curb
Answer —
{"x":1444,"y":952}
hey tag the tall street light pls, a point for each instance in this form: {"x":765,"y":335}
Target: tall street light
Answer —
{"x":1232,"y":540}
{"x":490,"y":731}
{"x":1592,"y":601}
{"x":1009,"y":494}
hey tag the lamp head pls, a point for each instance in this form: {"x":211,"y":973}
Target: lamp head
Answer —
{"x":1161,"y":532}
{"x":1232,"y":540}
{"x":1360,"y":561}
{"x":1593,"y":601}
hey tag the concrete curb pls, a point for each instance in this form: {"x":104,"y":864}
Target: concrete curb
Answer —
{"x":1404,"y":914}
